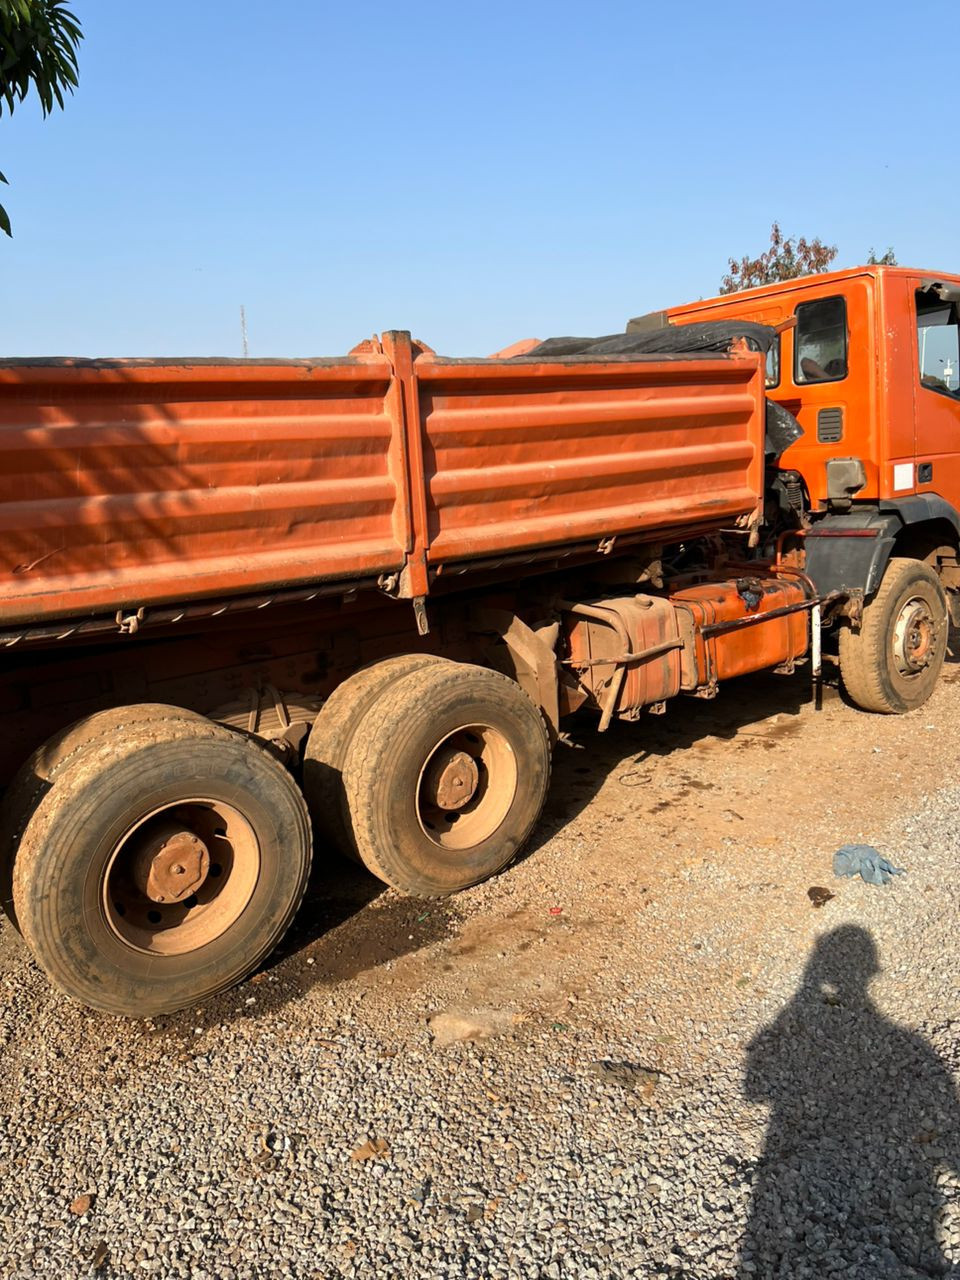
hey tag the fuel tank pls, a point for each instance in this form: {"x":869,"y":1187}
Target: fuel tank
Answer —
{"x":624,"y":653}
{"x":707,"y":658}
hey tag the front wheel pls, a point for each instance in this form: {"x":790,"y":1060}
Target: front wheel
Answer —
{"x":893,"y":663}
{"x":445,"y":778}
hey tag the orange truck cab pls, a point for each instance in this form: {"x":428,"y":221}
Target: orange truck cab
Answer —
{"x":868,"y":361}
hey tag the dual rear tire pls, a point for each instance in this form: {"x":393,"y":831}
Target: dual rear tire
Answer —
{"x":445,"y":778}
{"x":154,"y":860}
{"x":431,"y":773}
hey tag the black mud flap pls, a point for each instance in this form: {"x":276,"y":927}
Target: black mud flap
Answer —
{"x":849,"y":552}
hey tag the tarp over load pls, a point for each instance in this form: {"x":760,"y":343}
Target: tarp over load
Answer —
{"x":668,"y":339}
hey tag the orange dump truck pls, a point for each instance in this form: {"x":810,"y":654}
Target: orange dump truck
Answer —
{"x":259,"y":611}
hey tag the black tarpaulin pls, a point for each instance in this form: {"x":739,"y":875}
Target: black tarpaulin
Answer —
{"x":783,"y":429}
{"x":674,"y":339}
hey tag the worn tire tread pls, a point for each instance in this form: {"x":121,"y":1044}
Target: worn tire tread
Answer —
{"x":38,"y":772}
{"x":373,"y":746}
{"x":328,"y":743}
{"x":863,"y":654}
{"x":73,"y":775}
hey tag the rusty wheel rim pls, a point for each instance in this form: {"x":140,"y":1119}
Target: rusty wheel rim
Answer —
{"x":914,"y":637}
{"x":466,"y":787}
{"x":181,"y":877}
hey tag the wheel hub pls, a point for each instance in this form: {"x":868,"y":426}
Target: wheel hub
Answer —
{"x":451,"y":780}
{"x":171,"y":864}
{"x":914,"y":638}
{"x":466,"y":787}
{"x":181,"y":876}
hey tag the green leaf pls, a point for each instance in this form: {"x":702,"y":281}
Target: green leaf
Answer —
{"x":38,"y":53}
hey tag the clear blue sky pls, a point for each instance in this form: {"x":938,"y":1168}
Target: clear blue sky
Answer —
{"x":474,"y":172}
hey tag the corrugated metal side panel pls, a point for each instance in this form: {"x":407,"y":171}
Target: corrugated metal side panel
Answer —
{"x":522,"y":454}
{"x":140,"y":483}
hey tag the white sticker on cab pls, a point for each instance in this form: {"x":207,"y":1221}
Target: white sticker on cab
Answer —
{"x":902,"y":476}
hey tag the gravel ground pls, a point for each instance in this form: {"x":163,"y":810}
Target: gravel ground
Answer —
{"x":686,"y":1068}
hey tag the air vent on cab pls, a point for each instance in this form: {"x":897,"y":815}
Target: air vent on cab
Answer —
{"x":830,"y":426}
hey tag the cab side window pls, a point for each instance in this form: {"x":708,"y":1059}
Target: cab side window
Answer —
{"x":938,"y":343}
{"x":820,"y":343}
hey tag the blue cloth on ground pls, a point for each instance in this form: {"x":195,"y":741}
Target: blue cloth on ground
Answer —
{"x":864,"y":860}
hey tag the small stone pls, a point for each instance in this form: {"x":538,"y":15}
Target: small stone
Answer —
{"x":372,"y":1149}
{"x":450,"y":1028}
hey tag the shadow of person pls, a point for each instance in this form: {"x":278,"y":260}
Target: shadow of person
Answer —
{"x":862,"y":1143}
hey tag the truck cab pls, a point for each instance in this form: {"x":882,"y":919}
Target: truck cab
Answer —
{"x":868,"y":361}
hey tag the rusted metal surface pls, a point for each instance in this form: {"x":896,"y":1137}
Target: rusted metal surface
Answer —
{"x":170,"y":864}
{"x":914,"y":636}
{"x":532,"y":656}
{"x":624,"y":652}
{"x":128,"y":485}
{"x":121,"y":623}
{"x":144,"y":899}
{"x":467,"y":787}
{"x":451,"y":780}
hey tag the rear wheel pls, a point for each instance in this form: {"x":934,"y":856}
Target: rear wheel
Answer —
{"x":35,"y":777}
{"x":446,"y":778}
{"x":331,"y":737}
{"x":162,"y":869}
{"x":893,"y":663}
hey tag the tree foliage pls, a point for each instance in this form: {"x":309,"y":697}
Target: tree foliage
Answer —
{"x":888,"y":259}
{"x":38,"y":52}
{"x":785,"y":259}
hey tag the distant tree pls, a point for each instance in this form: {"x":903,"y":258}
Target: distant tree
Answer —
{"x":784,"y":260}
{"x":888,"y":259}
{"x":38,"y":51}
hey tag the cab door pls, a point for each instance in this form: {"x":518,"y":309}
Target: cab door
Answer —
{"x":937,"y":391}
{"x":829,"y":382}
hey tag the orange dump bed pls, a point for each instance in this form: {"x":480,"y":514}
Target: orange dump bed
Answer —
{"x":131,"y":483}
